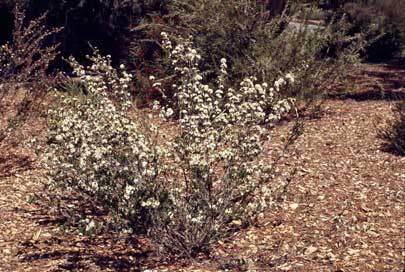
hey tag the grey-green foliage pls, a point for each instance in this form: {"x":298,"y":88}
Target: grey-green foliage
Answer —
{"x":394,"y":11}
{"x":221,"y":28}
{"x":256,"y":42}
{"x":382,"y":25}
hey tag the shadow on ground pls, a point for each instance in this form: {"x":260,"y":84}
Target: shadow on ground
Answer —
{"x":12,"y":164}
{"x":88,"y":259}
{"x":371,"y":95}
{"x":66,"y":250}
{"x":77,"y":253}
{"x":377,"y":82}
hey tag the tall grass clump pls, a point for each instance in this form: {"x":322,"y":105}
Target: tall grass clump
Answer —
{"x":186,"y":186}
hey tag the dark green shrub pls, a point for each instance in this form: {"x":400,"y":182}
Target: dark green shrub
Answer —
{"x":394,"y":10}
{"x":301,"y":12}
{"x":255,"y":42}
{"x":394,"y":133}
{"x":126,"y":30}
{"x":106,"y":24}
{"x":382,"y":33}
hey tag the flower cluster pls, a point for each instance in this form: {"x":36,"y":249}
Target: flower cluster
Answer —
{"x":215,"y":156}
{"x":207,"y":178}
{"x":101,"y":79}
{"x":5,"y":56}
{"x":95,"y":148}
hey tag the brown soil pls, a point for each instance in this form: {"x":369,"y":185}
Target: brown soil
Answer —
{"x":344,"y":210}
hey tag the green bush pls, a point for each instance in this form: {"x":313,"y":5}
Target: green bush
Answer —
{"x":255,"y":42}
{"x":301,"y":12}
{"x":106,"y":24}
{"x":394,"y":11}
{"x":394,"y":133}
{"x":254,"y":39}
{"x":382,"y":32}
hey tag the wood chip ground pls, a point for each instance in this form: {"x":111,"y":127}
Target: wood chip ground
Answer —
{"x":344,"y":211}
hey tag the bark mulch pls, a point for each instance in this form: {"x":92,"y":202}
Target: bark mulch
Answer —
{"x":344,"y":211}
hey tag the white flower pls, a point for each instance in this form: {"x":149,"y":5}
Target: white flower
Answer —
{"x":279,"y":83}
{"x":198,"y":77}
{"x":290,"y":77}
{"x":156,"y":105}
{"x":169,"y":112}
{"x":129,"y":190}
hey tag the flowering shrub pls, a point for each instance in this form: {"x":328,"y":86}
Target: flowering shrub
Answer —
{"x":189,"y":189}
{"x":95,"y":148}
{"x":216,"y":178}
